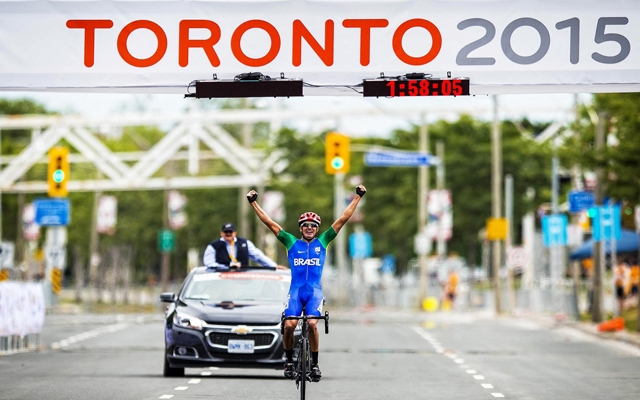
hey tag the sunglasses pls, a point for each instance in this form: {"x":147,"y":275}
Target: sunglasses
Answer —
{"x":309,"y":225}
{"x":227,"y":232}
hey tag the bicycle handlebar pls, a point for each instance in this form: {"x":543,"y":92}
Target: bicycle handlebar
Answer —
{"x":306,"y":317}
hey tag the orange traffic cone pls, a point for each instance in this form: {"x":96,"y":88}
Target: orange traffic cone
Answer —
{"x":616,"y":324}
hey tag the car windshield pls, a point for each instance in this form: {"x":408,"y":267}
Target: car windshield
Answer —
{"x":237,"y":287}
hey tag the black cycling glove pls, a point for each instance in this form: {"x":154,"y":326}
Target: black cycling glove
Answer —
{"x":252,"y":198}
{"x":360,"y":192}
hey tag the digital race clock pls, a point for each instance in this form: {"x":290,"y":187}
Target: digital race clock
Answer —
{"x":386,"y":87}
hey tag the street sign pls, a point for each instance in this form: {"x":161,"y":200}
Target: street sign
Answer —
{"x":517,"y":257}
{"x":166,"y":241}
{"x":7,"y":255}
{"x":422,"y":244}
{"x":496,"y":228}
{"x":52,"y":212}
{"x":554,"y":230}
{"x":360,"y":245}
{"x":399,"y":159}
{"x":55,"y":256}
{"x":107,"y":215}
{"x":388,"y":264}
{"x":580,"y":201}
{"x":575,"y":235}
{"x":607,"y":224}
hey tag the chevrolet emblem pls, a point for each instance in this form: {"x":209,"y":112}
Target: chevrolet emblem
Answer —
{"x":242,"y":330}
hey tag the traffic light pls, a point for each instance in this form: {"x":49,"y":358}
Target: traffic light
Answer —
{"x":337,"y":153}
{"x":58,"y":172}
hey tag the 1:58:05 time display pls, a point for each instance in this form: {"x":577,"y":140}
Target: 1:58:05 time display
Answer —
{"x":415,"y":87}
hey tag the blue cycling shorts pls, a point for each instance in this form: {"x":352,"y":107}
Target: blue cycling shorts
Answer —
{"x":309,"y":297}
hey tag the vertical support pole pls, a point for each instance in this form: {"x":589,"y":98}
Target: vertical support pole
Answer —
{"x":341,"y":240}
{"x":598,"y":250}
{"x":556,"y":273}
{"x":165,"y":256}
{"x":0,"y":189}
{"x":508,"y":211}
{"x":19,"y":252}
{"x":423,"y":194}
{"x":94,"y":256}
{"x":577,"y":185}
{"x":440,"y":176}
{"x":496,"y":197}
{"x":243,"y":210}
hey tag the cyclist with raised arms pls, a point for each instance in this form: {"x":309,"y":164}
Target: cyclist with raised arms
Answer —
{"x":306,"y":260}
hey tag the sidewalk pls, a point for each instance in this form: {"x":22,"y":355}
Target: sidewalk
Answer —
{"x":382,"y":315}
{"x":591,"y":328}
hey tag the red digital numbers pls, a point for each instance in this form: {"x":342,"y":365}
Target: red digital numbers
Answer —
{"x":419,"y":87}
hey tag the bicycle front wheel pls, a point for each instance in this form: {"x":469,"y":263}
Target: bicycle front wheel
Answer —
{"x":304,"y":362}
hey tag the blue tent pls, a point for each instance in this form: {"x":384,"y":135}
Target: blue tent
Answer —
{"x":628,"y":243}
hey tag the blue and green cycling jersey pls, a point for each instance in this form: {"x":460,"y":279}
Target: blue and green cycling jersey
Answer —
{"x":306,"y":260}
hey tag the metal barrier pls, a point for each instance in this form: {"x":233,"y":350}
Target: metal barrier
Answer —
{"x":22,"y":312}
{"x":17,"y":344}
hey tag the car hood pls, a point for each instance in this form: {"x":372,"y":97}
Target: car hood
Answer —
{"x":239,"y":313}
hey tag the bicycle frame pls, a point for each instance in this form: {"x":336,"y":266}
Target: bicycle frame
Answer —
{"x":302,"y":367}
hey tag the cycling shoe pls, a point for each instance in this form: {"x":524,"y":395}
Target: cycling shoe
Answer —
{"x":316,"y":374}
{"x":288,"y":370}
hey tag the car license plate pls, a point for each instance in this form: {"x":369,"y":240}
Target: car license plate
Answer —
{"x":240,"y":346}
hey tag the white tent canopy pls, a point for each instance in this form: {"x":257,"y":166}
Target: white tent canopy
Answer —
{"x":502,"y":46}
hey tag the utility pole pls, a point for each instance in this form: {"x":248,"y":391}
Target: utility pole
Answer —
{"x":423,"y":193}
{"x":508,"y":206}
{"x":243,"y":211}
{"x":496,"y":197}
{"x":94,"y":256}
{"x":341,"y":240}
{"x":596,"y":304}
{"x":0,"y":189}
{"x":440,"y":174}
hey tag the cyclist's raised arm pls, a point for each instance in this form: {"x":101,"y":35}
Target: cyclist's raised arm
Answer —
{"x":252,"y":196}
{"x":351,"y":208}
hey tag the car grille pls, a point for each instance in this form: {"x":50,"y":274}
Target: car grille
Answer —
{"x":222,"y":338}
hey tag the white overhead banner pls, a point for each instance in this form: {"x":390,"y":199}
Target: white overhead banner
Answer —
{"x":502,"y":46}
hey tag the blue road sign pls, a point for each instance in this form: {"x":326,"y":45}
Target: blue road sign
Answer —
{"x":388,"y":264}
{"x":360,"y":245}
{"x":398,"y":159}
{"x":607,"y":223}
{"x":52,"y":212}
{"x":580,"y":201}
{"x":554,"y":230}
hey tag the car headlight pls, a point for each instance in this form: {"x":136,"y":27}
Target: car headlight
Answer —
{"x":187,"y":321}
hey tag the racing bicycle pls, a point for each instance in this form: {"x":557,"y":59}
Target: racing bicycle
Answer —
{"x":302,"y":365}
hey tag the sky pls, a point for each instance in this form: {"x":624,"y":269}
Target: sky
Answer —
{"x":536,"y":107}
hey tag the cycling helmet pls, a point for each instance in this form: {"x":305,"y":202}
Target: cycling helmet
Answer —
{"x":309,"y":217}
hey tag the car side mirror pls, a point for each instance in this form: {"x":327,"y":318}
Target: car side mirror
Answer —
{"x":168,"y":297}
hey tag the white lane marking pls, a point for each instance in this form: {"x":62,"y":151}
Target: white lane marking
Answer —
{"x":194,"y":381}
{"x":452,"y":355}
{"x":87,"y":335}
{"x":182,"y":388}
{"x":214,"y":368}
{"x":166,"y":396}
{"x":205,"y":373}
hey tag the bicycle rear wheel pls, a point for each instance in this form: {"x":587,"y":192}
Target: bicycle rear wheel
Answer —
{"x":303,"y":357}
